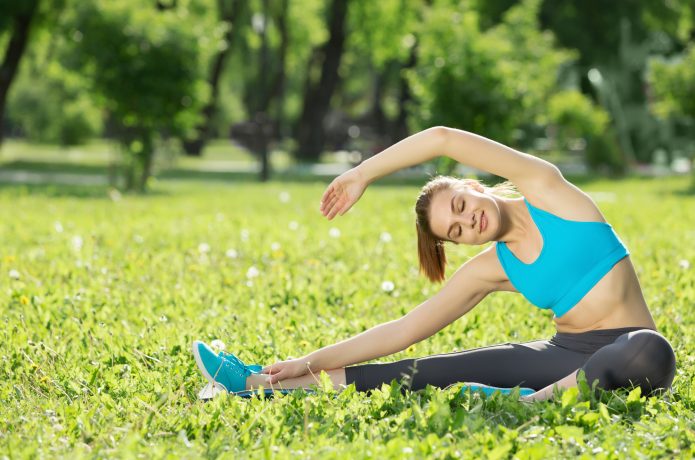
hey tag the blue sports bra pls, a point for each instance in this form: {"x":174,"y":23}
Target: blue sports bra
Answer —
{"x":575,"y":256}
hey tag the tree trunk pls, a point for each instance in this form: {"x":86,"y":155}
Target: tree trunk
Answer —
{"x":400,"y":130}
{"x":194,"y":147}
{"x":317,"y":97}
{"x":260,"y":118}
{"x":15,"y":49}
{"x":377,"y":111}
{"x":278,"y":86}
{"x":146,"y":158}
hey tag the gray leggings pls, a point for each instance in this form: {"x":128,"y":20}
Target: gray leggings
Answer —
{"x":616,"y":357}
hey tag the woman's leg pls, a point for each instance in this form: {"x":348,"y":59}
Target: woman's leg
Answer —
{"x":642,"y":358}
{"x":531,"y":364}
{"x":337,"y":376}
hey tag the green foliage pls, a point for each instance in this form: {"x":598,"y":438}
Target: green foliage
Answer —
{"x":673,"y":82}
{"x":573,"y":116}
{"x":382,"y":31}
{"x":54,"y":107}
{"x":489,"y":82}
{"x":103,"y":294}
{"x":673,"y":85}
{"x":146,"y":69}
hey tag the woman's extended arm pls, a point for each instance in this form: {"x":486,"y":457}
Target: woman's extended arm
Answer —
{"x":464,"y":291}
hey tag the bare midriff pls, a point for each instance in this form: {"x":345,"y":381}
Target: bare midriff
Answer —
{"x":616,"y":301}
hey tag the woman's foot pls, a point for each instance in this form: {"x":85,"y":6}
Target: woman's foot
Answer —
{"x":489,"y":390}
{"x":222,"y":368}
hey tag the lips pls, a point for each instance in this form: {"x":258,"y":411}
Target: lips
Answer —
{"x":482,"y":214}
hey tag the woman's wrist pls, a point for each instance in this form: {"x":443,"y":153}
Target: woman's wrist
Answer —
{"x":310,"y":361}
{"x":362,"y":170}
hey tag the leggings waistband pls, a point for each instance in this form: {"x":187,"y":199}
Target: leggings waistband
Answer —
{"x":590,"y":341}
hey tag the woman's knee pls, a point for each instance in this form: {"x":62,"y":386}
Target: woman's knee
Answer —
{"x":642,"y":358}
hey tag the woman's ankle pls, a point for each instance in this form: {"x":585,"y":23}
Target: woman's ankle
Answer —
{"x":256,"y":380}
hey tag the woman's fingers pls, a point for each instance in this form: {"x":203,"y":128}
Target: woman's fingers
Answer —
{"x":327,"y":193}
{"x":272,"y":369}
{"x":275,"y":378}
{"x":337,"y":207}
{"x":328,"y":206}
{"x":326,"y":199}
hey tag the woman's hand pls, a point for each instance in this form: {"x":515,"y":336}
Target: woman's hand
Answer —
{"x":286,"y":370}
{"x":342,"y":193}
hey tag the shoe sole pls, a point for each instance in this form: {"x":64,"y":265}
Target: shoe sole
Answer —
{"x":269,"y":392}
{"x":199,"y":362}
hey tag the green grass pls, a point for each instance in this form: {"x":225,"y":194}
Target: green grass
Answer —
{"x":112,"y":290}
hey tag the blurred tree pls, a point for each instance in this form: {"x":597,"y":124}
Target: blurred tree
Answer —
{"x":146,"y":66}
{"x":48,"y":103}
{"x":572,"y":117}
{"x":382,"y":45}
{"x":672,"y":82}
{"x":17,"y":16}
{"x":310,"y":133}
{"x":491,"y":82}
{"x":614,"y":40}
{"x":230,"y":13}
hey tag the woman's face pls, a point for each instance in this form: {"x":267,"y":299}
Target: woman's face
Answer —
{"x":455,"y":215}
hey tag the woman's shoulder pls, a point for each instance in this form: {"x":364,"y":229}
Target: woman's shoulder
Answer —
{"x":565,"y":200}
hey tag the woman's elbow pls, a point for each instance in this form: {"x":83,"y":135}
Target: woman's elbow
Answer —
{"x":439,"y":136}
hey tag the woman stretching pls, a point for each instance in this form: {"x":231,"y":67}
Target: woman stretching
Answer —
{"x":553,"y":246}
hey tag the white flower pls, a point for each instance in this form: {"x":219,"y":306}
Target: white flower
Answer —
{"x":58,"y":227}
{"x":284,"y":197}
{"x":14,"y":274}
{"x":387,"y":286}
{"x":334,"y":232}
{"x":385,"y":237}
{"x":684,"y":264}
{"x":218,"y":344}
{"x":252,"y":272}
{"x":232,"y":254}
{"x":203,"y":248}
{"x":244,"y":234}
{"x":77,"y":242}
{"x":115,"y":195}
{"x":407,"y":450}
{"x":294,"y":225}
{"x":275,"y":246}
{"x":219,"y":216}
{"x":138,"y":239}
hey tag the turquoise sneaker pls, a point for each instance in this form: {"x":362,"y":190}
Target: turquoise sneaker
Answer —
{"x":489,"y":390}
{"x":223,"y":369}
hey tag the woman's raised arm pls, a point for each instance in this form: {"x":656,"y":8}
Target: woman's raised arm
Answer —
{"x":346,"y":189}
{"x":467,"y":148}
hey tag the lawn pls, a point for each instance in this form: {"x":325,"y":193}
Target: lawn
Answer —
{"x":101,"y":295}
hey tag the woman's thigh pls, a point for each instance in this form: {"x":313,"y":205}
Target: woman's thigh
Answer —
{"x":533,"y":364}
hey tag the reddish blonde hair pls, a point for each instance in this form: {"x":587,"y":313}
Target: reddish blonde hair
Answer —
{"x":430,"y":249}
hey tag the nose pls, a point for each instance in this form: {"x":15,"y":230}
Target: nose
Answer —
{"x":468,"y":220}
